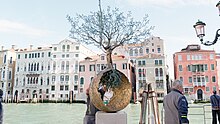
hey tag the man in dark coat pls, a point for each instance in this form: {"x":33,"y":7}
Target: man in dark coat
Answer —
{"x":176,"y":105}
{"x":90,"y":111}
{"x":215,"y":102}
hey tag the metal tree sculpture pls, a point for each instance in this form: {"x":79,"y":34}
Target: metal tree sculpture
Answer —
{"x":108,"y":29}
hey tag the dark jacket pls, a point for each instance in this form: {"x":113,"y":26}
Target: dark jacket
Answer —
{"x":176,"y":108}
{"x":215,"y":102}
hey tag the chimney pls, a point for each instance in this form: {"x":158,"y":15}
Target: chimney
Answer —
{"x":12,"y":46}
{"x":2,"y":48}
{"x":31,"y":46}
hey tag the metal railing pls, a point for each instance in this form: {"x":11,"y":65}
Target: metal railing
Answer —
{"x":204,"y":114}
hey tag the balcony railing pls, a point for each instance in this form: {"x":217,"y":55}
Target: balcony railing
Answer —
{"x":198,"y":84}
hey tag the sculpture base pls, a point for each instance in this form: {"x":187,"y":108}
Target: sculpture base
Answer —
{"x":119,"y":117}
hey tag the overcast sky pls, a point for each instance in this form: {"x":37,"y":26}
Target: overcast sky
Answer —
{"x":43,"y":22}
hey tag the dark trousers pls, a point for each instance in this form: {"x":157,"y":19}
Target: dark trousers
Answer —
{"x":214,"y":116}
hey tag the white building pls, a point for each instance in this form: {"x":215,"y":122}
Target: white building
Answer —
{"x":7,"y":63}
{"x":32,"y":75}
{"x":49,"y":73}
{"x":65,"y":69}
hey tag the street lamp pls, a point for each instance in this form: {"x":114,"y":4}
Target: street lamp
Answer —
{"x":200,"y":30}
{"x":218,"y":6}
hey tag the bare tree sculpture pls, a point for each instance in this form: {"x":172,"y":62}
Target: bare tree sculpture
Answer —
{"x":108,"y":29}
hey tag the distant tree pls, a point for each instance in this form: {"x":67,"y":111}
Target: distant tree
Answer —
{"x":108,"y":29}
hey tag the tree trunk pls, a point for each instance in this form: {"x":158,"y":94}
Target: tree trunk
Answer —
{"x":109,"y":58}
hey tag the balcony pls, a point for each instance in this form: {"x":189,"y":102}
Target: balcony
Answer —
{"x":199,"y":84}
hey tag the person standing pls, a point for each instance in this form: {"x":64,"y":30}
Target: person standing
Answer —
{"x":1,"y":107}
{"x":215,"y":99}
{"x":90,"y":111}
{"x":176,"y":105}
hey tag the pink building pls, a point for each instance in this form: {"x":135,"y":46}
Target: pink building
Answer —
{"x":91,"y":66}
{"x":197,"y":69}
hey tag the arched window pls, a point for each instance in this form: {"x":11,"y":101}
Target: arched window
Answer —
{"x":5,"y":59}
{"x":28,"y":81}
{"x":35,"y":66}
{"x":9,"y":77}
{"x":62,"y":65}
{"x":141,"y":51}
{"x":42,"y":66}
{"x":31,"y":81}
{"x":63,"y":47}
{"x":24,"y":81}
{"x":41,"y":81}
{"x":67,"y":65}
{"x":136,"y":52}
{"x":91,"y":79}
{"x":68,"y":47}
{"x":54,"y":65}
{"x":17,"y":82}
{"x":161,"y":72}
{"x":131,"y":52}
{"x":156,"y":72}
{"x":29,"y":67}
{"x":36,"y":80}
{"x":32,"y":66}
{"x":48,"y":80}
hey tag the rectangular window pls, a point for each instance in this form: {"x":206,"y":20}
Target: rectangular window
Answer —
{"x":75,"y":87}
{"x":25,"y":56}
{"x":214,"y":88}
{"x":189,"y":68}
{"x":124,"y":65}
{"x":179,"y":57}
{"x":207,"y":89}
{"x":160,"y":62}
{"x":158,"y":50}
{"x":77,"y":47}
{"x":47,"y":91}
{"x":156,"y":62}
{"x":212,"y":67}
{"x":66,"y":87}
{"x":67,"y":78}
{"x":55,"y":48}
{"x":61,"y":87}
{"x":91,"y":67}
{"x":76,"y":55}
{"x":188,"y":57}
{"x":211,"y":56}
{"x":52,"y":88}
{"x":61,"y":77}
{"x":206,"y":79}
{"x":190,"y":79}
{"x":139,"y":62}
{"x":206,"y":67}
{"x":180,"y":68}
{"x":143,"y":62}
{"x":63,"y":55}
{"x":147,"y":50}
{"x":81,"y":68}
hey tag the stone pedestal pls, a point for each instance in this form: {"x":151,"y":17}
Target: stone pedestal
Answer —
{"x":111,"y":118}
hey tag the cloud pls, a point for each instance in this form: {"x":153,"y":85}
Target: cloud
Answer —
{"x":170,"y":3}
{"x":16,"y":27}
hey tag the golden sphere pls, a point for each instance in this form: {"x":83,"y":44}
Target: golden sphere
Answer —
{"x":121,"y":92}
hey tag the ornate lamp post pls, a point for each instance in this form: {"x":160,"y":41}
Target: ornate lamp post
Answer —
{"x":200,"y":30}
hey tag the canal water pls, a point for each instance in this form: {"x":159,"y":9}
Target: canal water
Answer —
{"x":62,"y":113}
